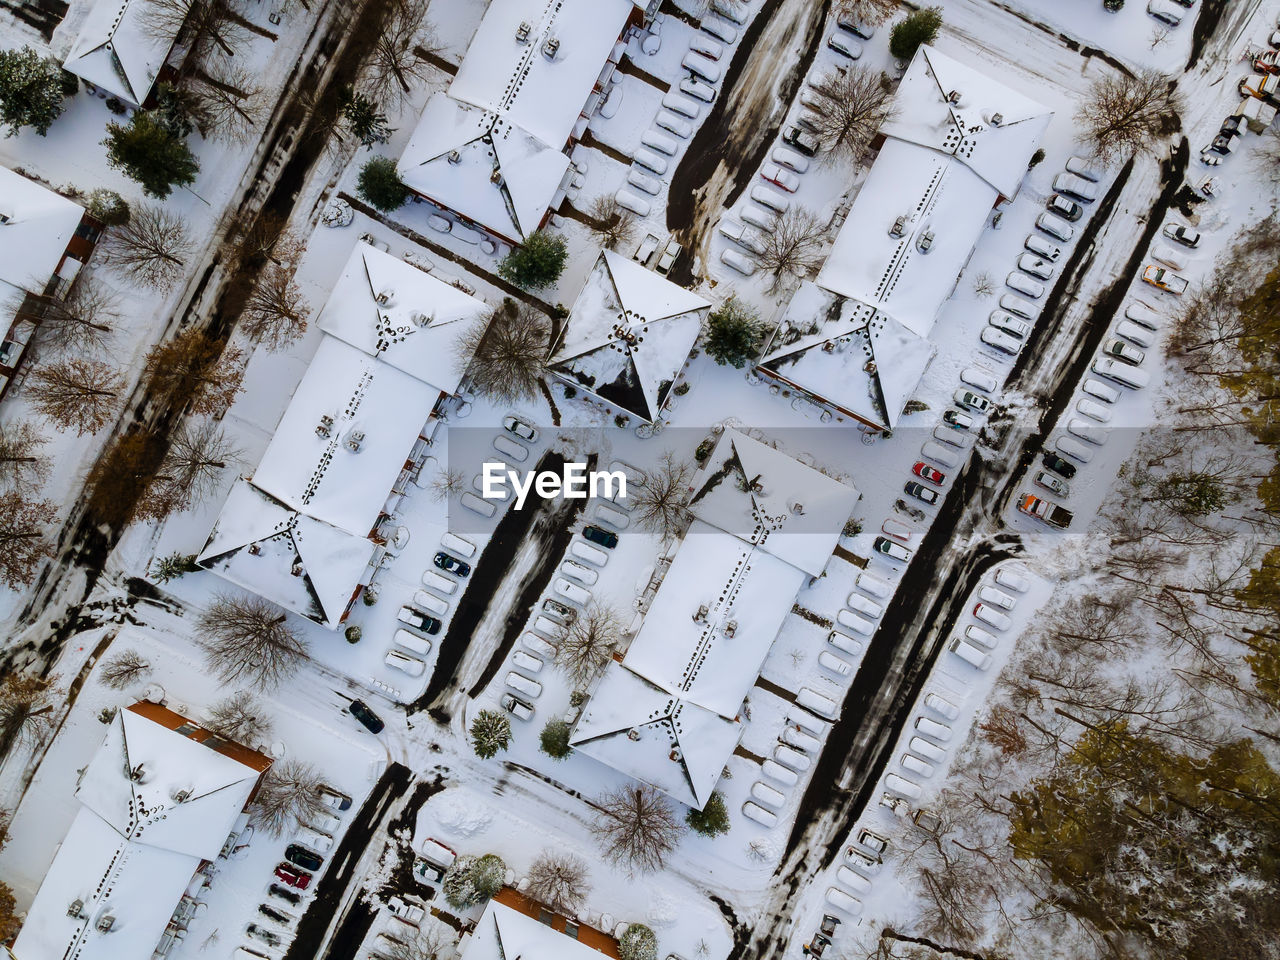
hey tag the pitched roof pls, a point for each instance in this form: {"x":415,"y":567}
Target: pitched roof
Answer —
{"x":628,"y":335}
{"x":119,"y":49}
{"x":503,"y":933}
{"x":402,"y":315}
{"x":36,"y":225}
{"x":984,"y":123}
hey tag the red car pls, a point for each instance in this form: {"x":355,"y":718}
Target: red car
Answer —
{"x":293,"y":876}
{"x":926,"y":472}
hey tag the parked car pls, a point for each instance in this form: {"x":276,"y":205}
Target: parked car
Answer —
{"x":1115,"y":347}
{"x":991,"y":616}
{"x":451,"y":564}
{"x":1038,"y":267}
{"x":419,"y":621}
{"x":843,"y":45}
{"x":802,"y":140}
{"x":1165,"y":12}
{"x":1077,"y":187}
{"x":971,"y":401}
{"x":1135,"y":334}
{"x":995,"y":337}
{"x":1067,"y":209}
{"x":743,"y":264}
{"x":371,"y":721}
{"x":980,"y":378}
{"x":1165,"y":280}
{"x":399,"y":660}
{"x":1055,"y":227}
{"x":702,"y":67}
{"x":559,"y":611}
{"x":785,"y":179}
{"x":1009,"y":324}
{"x":1042,"y":247}
{"x":1183,"y":235}
{"x":522,"y":684}
{"x":856,"y":27}
{"x":516,"y":426}
{"x":958,"y":420}
{"x":1018,"y":306}
{"x":1086,"y":431}
{"x":1083,"y":168}
{"x":1025,"y":285}
{"x":1144,"y":314}
{"x":669,"y":255}
{"x":698,"y":88}
{"x":334,"y":799}
{"x":673,"y":124}
{"x":747,"y":239}
{"x":307,"y":859}
{"x":1093,"y":410}
{"x":516,"y":707}
{"x":1168,"y":256}
{"x":889,"y":548}
{"x":1104,"y":392}
{"x":605,"y":538}
{"x":642,"y":181}
{"x":921,"y":492}
{"x":1057,"y":464}
{"x":293,"y":876}
{"x":925,"y":472}
{"x":1044,"y":478}
{"x":789,"y":159}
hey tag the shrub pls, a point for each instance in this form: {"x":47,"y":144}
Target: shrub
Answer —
{"x":712,"y":820}
{"x":1036,"y":158}
{"x":918,"y":28}
{"x":109,"y":207}
{"x":638,"y":943}
{"x":733,"y":333}
{"x":473,"y":879}
{"x":555,"y":739}
{"x":380,"y":186}
{"x":539,"y":261}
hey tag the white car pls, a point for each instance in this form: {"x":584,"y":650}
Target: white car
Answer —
{"x":1139,"y":335}
{"x":1038,"y":267}
{"x":771,"y":199}
{"x":980,"y":378}
{"x":1143,"y":313}
{"x":697,"y":88}
{"x":1009,"y":324}
{"x":660,"y":142}
{"x":1011,"y":577}
{"x":1042,"y":247}
{"x":637,"y":177}
{"x":1019,"y":307}
{"x":526,"y":662}
{"x":1025,"y":285}
{"x":1055,"y":226}
{"x":1103,"y":391}
{"x":719,"y":29}
{"x":971,"y":401}
{"x":785,"y":179}
{"x":982,"y":638}
{"x":672,"y":124}
{"x":1073,"y":448}
{"x":1051,"y":482}
{"x":702,"y":67}
{"x":789,"y":159}
{"x":633,"y":202}
{"x":1093,"y":410}
{"x":1001,"y":341}
{"x":1166,"y":254}
{"x":1180,"y":234}
{"x":744,"y":265}
{"x":997,"y":598}
{"x":1164,"y":11}
{"x":516,"y":426}
{"x":650,"y":160}
{"x":747,"y":239}
{"x":759,"y":217}
{"x":1087,"y":431}
{"x":991,"y":616}
{"x":1083,"y":168}
{"x":844,"y":45}
{"x":516,"y":707}
{"x":707,"y":47}
{"x":399,"y":660}
{"x":863,"y":605}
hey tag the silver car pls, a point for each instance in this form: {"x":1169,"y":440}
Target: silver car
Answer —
{"x":1038,"y":267}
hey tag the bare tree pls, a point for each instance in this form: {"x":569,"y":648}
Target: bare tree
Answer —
{"x":588,"y":642}
{"x":248,"y":638}
{"x":849,"y":108}
{"x":26,"y":710}
{"x":447,"y":484}
{"x":240,"y":717}
{"x":637,"y":827}
{"x":75,"y":394}
{"x":124,"y":670}
{"x":196,"y":371}
{"x":151,"y":249}
{"x":1124,"y":113}
{"x":660,"y":501}
{"x":505,"y":354}
{"x":792,"y":245}
{"x":983,"y":284}
{"x":22,"y":468}
{"x":23,"y":544}
{"x":276,"y":313}
{"x":226,"y":103}
{"x":427,"y":941}
{"x":870,"y":12}
{"x":190,"y":470}
{"x":81,"y":322}
{"x":613,"y":223}
{"x":401,"y":54}
{"x":559,"y":879}
{"x":205,"y":23}
{"x":287,"y":798}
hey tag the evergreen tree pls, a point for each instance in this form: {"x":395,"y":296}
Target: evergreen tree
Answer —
{"x":147,"y":151}
{"x":712,"y":820}
{"x":473,"y":879}
{"x":490,"y":732}
{"x":919,"y":28}
{"x":31,"y":91}
{"x":109,"y":207}
{"x":366,"y":122}
{"x":537,"y":263}
{"x":638,"y":942}
{"x":555,"y":739}
{"x":733,"y":333}
{"x":173,"y":566}
{"x":380,"y":186}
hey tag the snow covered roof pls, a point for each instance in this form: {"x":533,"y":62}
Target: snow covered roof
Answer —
{"x":943,"y":206}
{"x":480,"y":165}
{"x":303,"y":564}
{"x":503,"y":933}
{"x":344,"y":438}
{"x":628,"y":335}
{"x":518,"y":81}
{"x":861,"y":359}
{"x":950,"y":107}
{"x":120,"y":49}
{"x":134,"y":845}
{"x":36,"y":225}
{"x":402,"y":315}
{"x":667,"y":714}
{"x":765,"y":497}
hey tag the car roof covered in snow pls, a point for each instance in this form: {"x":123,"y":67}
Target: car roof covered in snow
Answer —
{"x":628,"y":335}
{"x":36,"y":225}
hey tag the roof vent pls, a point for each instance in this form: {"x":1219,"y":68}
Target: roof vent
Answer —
{"x":76,"y":910}
{"x":675,"y":754}
{"x":523,"y":31}
{"x":701,"y":615}
{"x":183,"y":795}
{"x":496,"y":176}
{"x":550,"y":48}
{"x":997,"y":119}
{"x":455,"y":156}
{"x":138,"y":774}
{"x":731,"y":628}
{"x":325,"y":426}
{"x":869,"y":366}
{"x":899,"y":227}
{"x":386,"y":297}
{"x":797,"y":508}
{"x":419,"y":318}
{"x":829,"y":347}
{"x":296,"y":569}
{"x":925,"y":241}
{"x":633,"y":734}
{"x":105,"y":923}
{"x":954,"y":97}
{"x":354,"y":439}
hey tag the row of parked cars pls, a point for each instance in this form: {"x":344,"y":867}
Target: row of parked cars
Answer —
{"x":681,"y":105}
{"x":797,"y":748}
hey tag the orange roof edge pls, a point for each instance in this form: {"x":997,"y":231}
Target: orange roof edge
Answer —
{"x":587,"y":935}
